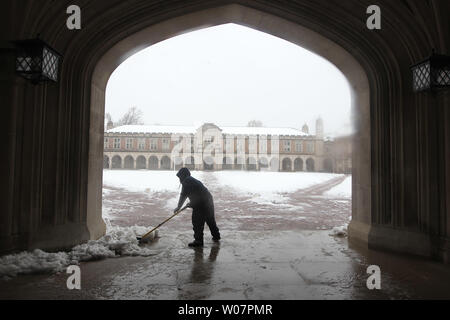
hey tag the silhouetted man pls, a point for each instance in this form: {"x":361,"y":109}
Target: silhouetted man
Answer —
{"x":201,"y":201}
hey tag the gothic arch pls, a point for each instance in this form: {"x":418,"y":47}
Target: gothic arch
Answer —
{"x":262,"y":21}
{"x":400,"y":146}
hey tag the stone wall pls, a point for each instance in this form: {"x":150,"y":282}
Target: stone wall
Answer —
{"x":53,"y":133}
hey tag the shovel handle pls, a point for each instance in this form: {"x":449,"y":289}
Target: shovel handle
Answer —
{"x":168,"y":219}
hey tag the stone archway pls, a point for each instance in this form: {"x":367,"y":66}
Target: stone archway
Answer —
{"x":116,"y":162}
{"x":298,"y":164}
{"x":153,"y":163}
{"x":128,"y":162}
{"x":400,"y":144}
{"x":310,"y":165}
{"x":227,"y":163}
{"x":165,"y":163}
{"x":106,"y":162}
{"x":274,"y":164}
{"x":239,"y":163}
{"x":141,"y":163}
{"x":286,"y":165}
{"x":252,"y":165}
{"x":263,"y":163}
{"x":264,"y":22}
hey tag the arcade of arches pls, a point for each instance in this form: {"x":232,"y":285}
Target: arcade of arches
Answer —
{"x":52,"y":159}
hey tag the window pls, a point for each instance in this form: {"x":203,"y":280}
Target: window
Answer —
{"x":129,"y":143}
{"x":192,"y":145}
{"x":154,"y":144}
{"x":287,"y":146}
{"x":240,"y":145}
{"x":299,"y":146}
{"x":310,"y":147}
{"x":252,"y":145}
{"x":141,"y":144}
{"x":263,"y":146}
{"x":117,"y":143}
{"x":209,"y":140}
{"x":166,"y":144}
{"x":106,"y":143}
{"x":229,"y":145}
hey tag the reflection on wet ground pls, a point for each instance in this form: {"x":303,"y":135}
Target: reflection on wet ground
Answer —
{"x":245,"y":265}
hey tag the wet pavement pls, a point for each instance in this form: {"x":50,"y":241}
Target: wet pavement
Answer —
{"x":281,"y":254}
{"x":245,"y":265}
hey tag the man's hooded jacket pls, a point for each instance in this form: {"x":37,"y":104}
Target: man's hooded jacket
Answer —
{"x":193,"y":189}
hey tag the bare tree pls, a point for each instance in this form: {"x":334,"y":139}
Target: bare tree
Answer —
{"x":133,"y":116}
{"x":255,"y":123}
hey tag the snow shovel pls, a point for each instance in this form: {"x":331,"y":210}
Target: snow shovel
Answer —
{"x":141,"y":239}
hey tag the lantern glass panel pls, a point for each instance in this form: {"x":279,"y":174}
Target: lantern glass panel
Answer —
{"x":422,"y":76}
{"x":441,"y":77}
{"x":50,"y":64}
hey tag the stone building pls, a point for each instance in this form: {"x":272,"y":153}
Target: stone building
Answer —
{"x":210,"y":147}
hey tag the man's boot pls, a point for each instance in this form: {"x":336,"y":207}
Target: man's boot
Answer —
{"x":196,"y":243}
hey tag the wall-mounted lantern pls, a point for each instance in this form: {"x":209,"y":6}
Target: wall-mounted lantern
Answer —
{"x":432,"y":74}
{"x":37,"y":61}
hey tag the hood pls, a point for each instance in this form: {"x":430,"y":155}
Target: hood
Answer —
{"x":183,"y":174}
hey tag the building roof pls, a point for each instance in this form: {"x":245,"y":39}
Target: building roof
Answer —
{"x":262,"y":131}
{"x":192,"y":130}
{"x":153,"y":129}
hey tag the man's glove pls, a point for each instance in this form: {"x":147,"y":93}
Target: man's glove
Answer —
{"x":176,"y":210}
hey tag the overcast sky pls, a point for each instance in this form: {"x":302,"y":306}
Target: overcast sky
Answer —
{"x":230,"y":75}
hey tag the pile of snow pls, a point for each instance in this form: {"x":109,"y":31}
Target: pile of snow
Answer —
{"x":339,"y":231}
{"x":341,"y":191}
{"x":119,"y":241}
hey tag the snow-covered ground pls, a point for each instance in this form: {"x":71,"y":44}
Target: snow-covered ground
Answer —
{"x":265,"y":187}
{"x":343,"y":190}
{"x":244,"y":201}
{"x":271,"y":182}
{"x":141,"y":181}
